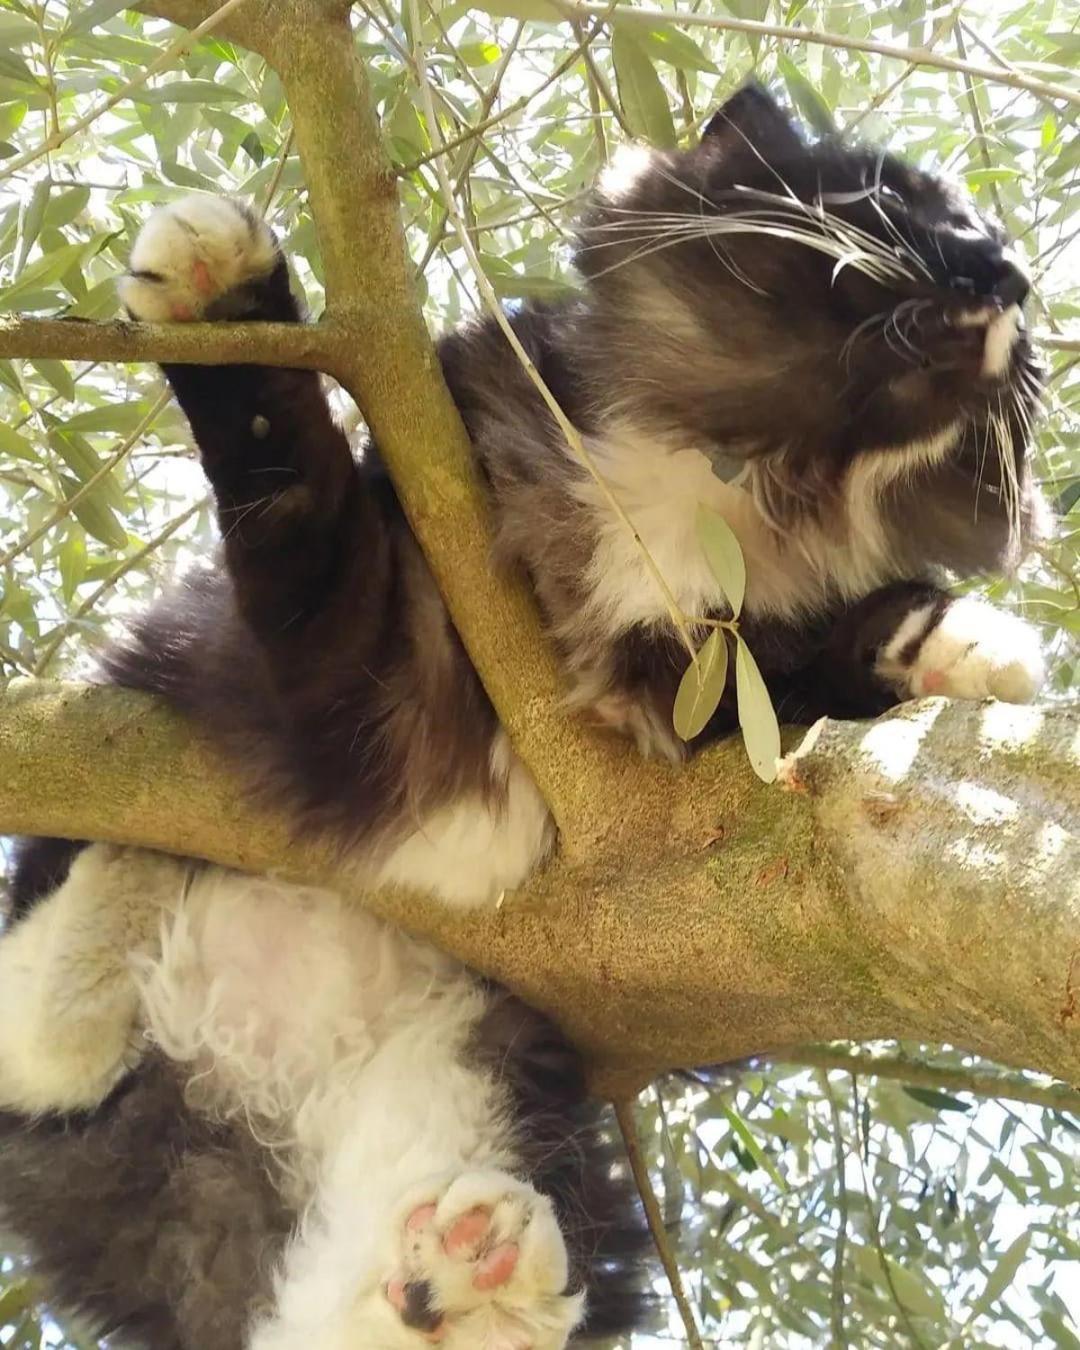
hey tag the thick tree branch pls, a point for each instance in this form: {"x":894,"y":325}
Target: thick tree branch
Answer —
{"x":918,"y":881}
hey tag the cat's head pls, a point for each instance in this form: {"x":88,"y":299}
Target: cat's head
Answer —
{"x":820,"y":308}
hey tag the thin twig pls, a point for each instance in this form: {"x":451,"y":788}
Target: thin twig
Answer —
{"x":172,"y":53}
{"x":992,"y":1083}
{"x":624,"y":1114}
{"x":279,"y":169}
{"x":940,"y":29}
{"x":478,"y":129}
{"x":125,"y":565}
{"x":838,"y":1332}
{"x":70,"y":503}
{"x":305,"y":346}
{"x":648,"y":16}
{"x":875,"y":1223}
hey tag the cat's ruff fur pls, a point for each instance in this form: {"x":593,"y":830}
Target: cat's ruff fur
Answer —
{"x":817,"y":342}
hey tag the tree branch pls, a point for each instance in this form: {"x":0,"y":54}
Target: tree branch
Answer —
{"x":886,"y":894}
{"x":306,"y":346}
{"x":905,"y":1068}
{"x":647,"y":16}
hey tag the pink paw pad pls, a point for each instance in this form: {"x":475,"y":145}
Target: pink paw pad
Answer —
{"x":466,"y":1234}
{"x":496,"y":1267}
{"x":204,"y":282}
{"x":933,"y":681}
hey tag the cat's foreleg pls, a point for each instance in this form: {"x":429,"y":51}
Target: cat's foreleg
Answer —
{"x":68,"y":1000}
{"x":306,"y":540}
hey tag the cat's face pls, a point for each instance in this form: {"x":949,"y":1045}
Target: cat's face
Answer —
{"x":813,"y":304}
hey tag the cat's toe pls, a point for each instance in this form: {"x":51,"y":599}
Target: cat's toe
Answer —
{"x":485,"y":1265}
{"x":190,"y":254}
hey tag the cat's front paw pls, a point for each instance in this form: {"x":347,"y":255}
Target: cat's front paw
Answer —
{"x":975,"y":651}
{"x":484,"y":1266}
{"x":193,"y":252}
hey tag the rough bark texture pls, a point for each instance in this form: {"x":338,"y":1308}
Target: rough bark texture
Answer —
{"x":914,"y":881}
{"x":917,"y":879}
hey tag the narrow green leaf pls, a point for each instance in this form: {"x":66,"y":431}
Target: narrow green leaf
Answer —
{"x":41,"y":273}
{"x":11,"y":443}
{"x":64,"y":207}
{"x":938,"y":1101}
{"x":674,"y":48}
{"x":189,"y":91}
{"x":724,"y":555}
{"x":11,"y":118}
{"x":95,"y":516}
{"x":1062,"y":1336}
{"x":32,"y":221}
{"x":57,"y":374}
{"x":761,"y":732}
{"x":752,"y":1146}
{"x":91,"y":15}
{"x":122,"y":417}
{"x":701,"y":687}
{"x":1003,"y":1274}
{"x":478,"y":53}
{"x":911,"y":1289}
{"x":642,"y":95}
{"x":72,"y":564}
{"x":539,"y":10}
{"x":254,"y":147}
{"x":806,"y":98}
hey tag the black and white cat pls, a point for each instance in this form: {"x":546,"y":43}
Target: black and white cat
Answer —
{"x":239,"y":1112}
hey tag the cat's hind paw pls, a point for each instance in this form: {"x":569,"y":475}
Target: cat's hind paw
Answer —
{"x":193,"y":253}
{"x":484,"y":1266}
{"x":974,"y":651}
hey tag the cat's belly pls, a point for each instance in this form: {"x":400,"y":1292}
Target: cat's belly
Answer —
{"x":277,"y":997}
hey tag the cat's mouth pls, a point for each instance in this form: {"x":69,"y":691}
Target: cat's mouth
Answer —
{"x":976,"y":342}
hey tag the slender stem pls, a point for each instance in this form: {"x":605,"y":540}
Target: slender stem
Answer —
{"x":511,"y":108}
{"x":875,"y":1219}
{"x":648,"y":16}
{"x":983,"y":1082}
{"x":624,"y":1114}
{"x":125,"y":565}
{"x":838,"y":1332}
{"x":69,"y":504}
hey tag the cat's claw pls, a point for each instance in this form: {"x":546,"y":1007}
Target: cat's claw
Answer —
{"x":484,"y":1266}
{"x":977,"y":651}
{"x":192,"y":252}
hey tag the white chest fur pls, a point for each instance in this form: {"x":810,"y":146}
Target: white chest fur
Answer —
{"x":660,"y":484}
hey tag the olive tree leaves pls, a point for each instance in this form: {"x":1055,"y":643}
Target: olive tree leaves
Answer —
{"x":703,"y":685}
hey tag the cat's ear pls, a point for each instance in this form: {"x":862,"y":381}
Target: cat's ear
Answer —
{"x":752,"y":117}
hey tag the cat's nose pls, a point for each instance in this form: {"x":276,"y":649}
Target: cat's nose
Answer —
{"x":1013,"y":283}
{"x":998,"y":276}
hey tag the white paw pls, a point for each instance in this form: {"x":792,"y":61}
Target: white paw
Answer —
{"x":190,"y":253}
{"x":484,"y":1266}
{"x":977,"y":651}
